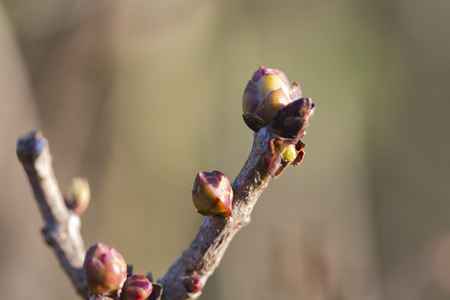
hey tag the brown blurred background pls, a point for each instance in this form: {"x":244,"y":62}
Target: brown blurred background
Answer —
{"x":141,"y":95}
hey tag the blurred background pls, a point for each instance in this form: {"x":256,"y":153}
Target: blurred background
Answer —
{"x":139,"y":96}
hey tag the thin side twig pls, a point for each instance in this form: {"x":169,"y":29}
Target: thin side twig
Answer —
{"x":61,"y":227}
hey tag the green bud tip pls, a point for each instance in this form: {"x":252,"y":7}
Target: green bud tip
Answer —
{"x":212,"y":194}
{"x":289,"y":153}
{"x":105,"y":269}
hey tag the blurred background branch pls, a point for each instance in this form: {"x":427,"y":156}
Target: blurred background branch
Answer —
{"x":154,"y":81}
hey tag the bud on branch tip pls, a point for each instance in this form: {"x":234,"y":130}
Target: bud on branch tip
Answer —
{"x":267,"y":92}
{"x":270,"y":100}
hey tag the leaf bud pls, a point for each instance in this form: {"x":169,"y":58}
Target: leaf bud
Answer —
{"x":212,"y":194}
{"x":105,"y":269}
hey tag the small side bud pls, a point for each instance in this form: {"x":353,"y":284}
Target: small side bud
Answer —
{"x":212,"y":194}
{"x":193,"y":284}
{"x":136,"y":287}
{"x":284,"y":152}
{"x":105,"y":269}
{"x":78,"y":195}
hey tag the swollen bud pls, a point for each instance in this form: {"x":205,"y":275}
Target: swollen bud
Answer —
{"x":212,"y":194}
{"x":267,"y":92}
{"x":136,"y":287}
{"x":78,"y":195}
{"x":105,"y":269}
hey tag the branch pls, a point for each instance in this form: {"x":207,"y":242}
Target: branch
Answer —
{"x":61,"y":227}
{"x":216,"y":232}
{"x":276,"y":145}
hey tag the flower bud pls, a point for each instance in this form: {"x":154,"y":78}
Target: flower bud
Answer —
{"x":267,"y":92}
{"x":212,"y":194}
{"x":105,"y":269}
{"x":78,"y":195}
{"x":136,"y":287}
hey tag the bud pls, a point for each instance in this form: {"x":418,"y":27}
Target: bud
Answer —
{"x":292,"y":120}
{"x":284,"y":152}
{"x":267,"y":92}
{"x":78,"y":195}
{"x":193,"y":284}
{"x":289,"y":153}
{"x":136,"y":287}
{"x":212,"y":194}
{"x":105,"y":269}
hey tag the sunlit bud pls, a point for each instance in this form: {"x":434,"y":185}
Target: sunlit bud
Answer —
{"x":267,"y":92}
{"x":78,"y":195}
{"x":274,"y":100}
{"x":136,"y":287}
{"x":212,"y":194}
{"x":105,"y":269}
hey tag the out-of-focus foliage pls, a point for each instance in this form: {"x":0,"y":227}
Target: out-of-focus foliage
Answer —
{"x":138,"y":96}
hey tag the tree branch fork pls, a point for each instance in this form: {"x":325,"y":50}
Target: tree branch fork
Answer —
{"x":62,"y":227}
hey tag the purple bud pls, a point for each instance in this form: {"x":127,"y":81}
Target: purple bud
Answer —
{"x":105,"y":269}
{"x":137,"y":287}
{"x":212,"y":194}
{"x":267,"y":92}
{"x":193,"y":284}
